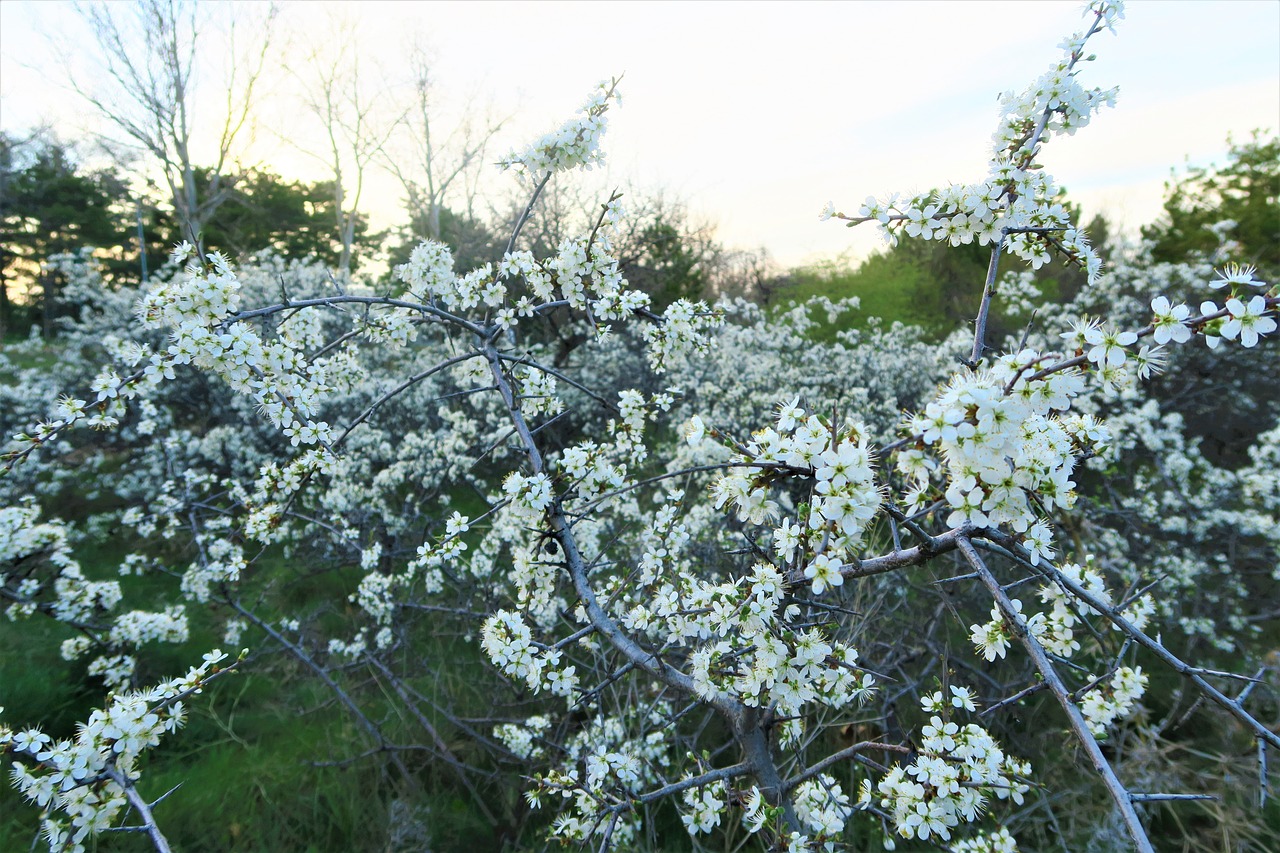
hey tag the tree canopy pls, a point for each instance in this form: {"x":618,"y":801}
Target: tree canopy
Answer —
{"x":1238,"y":201}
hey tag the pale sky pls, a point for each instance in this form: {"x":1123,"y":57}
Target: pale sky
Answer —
{"x":756,"y":114}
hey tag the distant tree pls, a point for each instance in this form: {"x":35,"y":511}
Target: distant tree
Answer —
{"x":751,"y":274}
{"x":950,"y":273}
{"x":665,"y":254}
{"x":432,"y":162}
{"x":355,"y":118}
{"x":1245,"y":192}
{"x":265,"y":211}
{"x":50,"y":204}
{"x":145,"y":87}
{"x":472,"y":240}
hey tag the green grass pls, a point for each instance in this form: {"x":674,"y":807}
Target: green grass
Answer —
{"x":248,"y":772}
{"x":247,"y":769}
{"x":268,"y":761}
{"x":885,"y":287}
{"x":41,"y":357}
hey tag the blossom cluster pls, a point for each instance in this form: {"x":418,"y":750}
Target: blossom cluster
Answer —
{"x":684,"y":329}
{"x":510,"y":645}
{"x":822,"y":806}
{"x":742,"y":642}
{"x":198,"y":310}
{"x":26,"y":545}
{"x":703,"y":807}
{"x":1065,"y":610}
{"x":575,"y":144}
{"x":600,"y":769}
{"x":1002,"y":440}
{"x":1109,"y":351}
{"x":522,"y":738}
{"x":835,"y":459}
{"x":1102,"y":704}
{"x":1017,"y":206}
{"x":1114,"y":700}
{"x":78,"y":784}
{"x":584,"y":274}
{"x":1246,"y":320}
{"x":999,"y":841}
{"x":957,"y":769}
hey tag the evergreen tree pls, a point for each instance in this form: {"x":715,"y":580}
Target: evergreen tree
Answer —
{"x":1246,"y":192}
{"x":50,"y":204}
{"x":265,"y":211}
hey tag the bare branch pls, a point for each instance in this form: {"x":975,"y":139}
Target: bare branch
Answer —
{"x":1119,"y":794}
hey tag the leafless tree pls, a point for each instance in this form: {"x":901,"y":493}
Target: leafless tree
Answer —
{"x":356,"y":122}
{"x":436,"y":163}
{"x":143,"y":82}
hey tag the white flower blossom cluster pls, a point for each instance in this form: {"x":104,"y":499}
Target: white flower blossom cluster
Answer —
{"x":350,"y":649}
{"x":1183,"y":502}
{"x":958,"y":768}
{"x":627,"y":430}
{"x":1055,"y":630}
{"x":1065,"y":608}
{"x":222,"y":562}
{"x":741,"y":642}
{"x":522,"y":738}
{"x":590,"y":470}
{"x":1018,"y":204}
{"x":684,"y":329}
{"x":197,"y":309}
{"x":999,"y":841}
{"x":140,"y":626}
{"x":703,"y":807}
{"x":78,"y":783}
{"x":1102,"y":706}
{"x":1112,"y":701}
{"x":1056,"y":97}
{"x":510,"y":645}
{"x":274,"y":487}
{"x":576,"y":144}
{"x":601,"y":768}
{"x":583,"y":274}
{"x":837,"y":460}
{"x":537,"y":392}
{"x":823,"y":807}
{"x":22,"y":539}
{"x":1109,"y":351}
{"x":1002,"y":442}
{"x":1247,"y":321}
{"x":83,"y":604}
{"x":529,"y":496}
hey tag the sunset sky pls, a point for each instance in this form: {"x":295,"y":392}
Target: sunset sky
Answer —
{"x":756,"y":114}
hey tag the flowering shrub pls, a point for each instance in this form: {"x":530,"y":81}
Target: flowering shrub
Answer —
{"x":84,"y":785}
{"x":699,"y":552}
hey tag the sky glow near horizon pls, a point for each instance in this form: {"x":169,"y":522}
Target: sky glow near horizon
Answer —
{"x":756,"y":114}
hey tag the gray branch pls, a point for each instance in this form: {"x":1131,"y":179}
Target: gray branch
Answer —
{"x":1121,"y":796}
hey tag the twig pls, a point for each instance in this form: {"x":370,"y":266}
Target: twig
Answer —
{"x":141,"y":806}
{"x":1149,"y":798}
{"x":835,"y":758}
{"x":988,"y":290}
{"x":1053,"y":681}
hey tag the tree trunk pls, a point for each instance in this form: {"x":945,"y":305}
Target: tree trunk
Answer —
{"x":49,"y":301}
{"x":4,"y":306}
